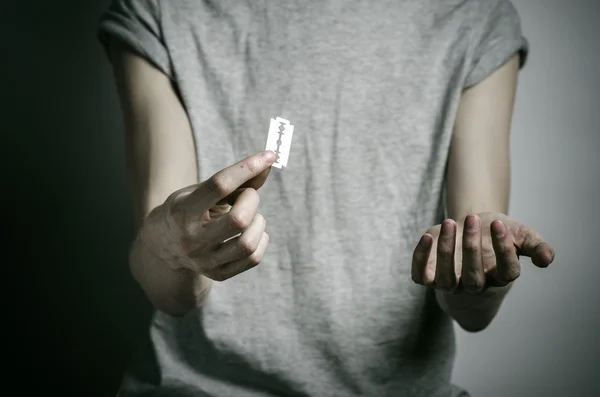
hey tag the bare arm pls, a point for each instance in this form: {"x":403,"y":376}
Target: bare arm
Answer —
{"x":161,"y":159}
{"x":478,"y":176}
{"x":160,"y":149}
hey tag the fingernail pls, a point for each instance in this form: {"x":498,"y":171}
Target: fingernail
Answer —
{"x":499,"y":228}
{"x":447,"y":227}
{"x":269,"y":156}
{"x":472,"y":223}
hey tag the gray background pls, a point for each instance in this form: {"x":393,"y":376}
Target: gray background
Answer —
{"x":71,"y":311}
{"x":544,"y":341}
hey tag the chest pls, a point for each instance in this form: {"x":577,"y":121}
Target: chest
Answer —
{"x":374,"y":82}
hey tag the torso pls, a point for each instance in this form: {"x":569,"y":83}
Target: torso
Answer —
{"x":371,"y":89}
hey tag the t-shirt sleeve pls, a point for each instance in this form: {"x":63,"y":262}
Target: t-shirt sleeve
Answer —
{"x":136,"y":23}
{"x":496,"y":41}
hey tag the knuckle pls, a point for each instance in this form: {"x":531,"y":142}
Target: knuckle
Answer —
{"x":177,"y":214}
{"x":254,"y":259}
{"x":504,"y":248}
{"x":189,"y":246}
{"x":471,"y":247}
{"x":508,"y":249}
{"x":218,"y":185}
{"x":473,"y":281}
{"x":254,"y":164}
{"x":246,"y":245}
{"x":189,"y":229}
{"x":251,"y":194}
{"x":258,"y":217}
{"x":511,"y":274}
{"x":240,"y":220}
{"x":501,"y":249}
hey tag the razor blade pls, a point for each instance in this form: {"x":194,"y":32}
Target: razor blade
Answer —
{"x":279,"y":140}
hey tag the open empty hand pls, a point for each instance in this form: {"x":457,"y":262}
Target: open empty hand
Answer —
{"x":477,"y":252}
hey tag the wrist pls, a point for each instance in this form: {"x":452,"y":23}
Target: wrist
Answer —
{"x":472,"y":312}
{"x":173,"y":291}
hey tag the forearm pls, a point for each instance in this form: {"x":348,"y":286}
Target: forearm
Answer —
{"x":475,"y":312}
{"x":160,"y":160}
{"x":175,"y":292}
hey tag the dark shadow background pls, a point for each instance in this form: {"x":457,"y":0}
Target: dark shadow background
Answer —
{"x":66,"y":219}
{"x":72,"y":314}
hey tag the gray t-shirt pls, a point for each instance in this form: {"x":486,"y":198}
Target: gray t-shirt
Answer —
{"x":372,"y":89}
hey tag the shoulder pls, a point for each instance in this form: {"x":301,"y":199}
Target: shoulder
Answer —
{"x":471,"y":12}
{"x":470,"y":17}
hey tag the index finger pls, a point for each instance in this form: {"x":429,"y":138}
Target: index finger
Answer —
{"x":228,"y":180}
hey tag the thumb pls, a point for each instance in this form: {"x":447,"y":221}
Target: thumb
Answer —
{"x":530,"y":243}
